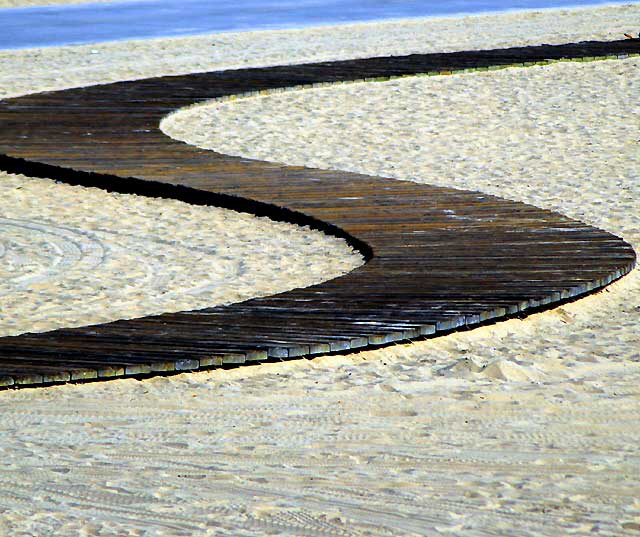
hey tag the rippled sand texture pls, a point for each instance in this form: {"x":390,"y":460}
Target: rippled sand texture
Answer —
{"x":80,"y":256}
{"x":528,"y":427}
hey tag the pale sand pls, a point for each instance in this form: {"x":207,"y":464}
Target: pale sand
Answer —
{"x":527,"y":427}
{"x":83,"y":256}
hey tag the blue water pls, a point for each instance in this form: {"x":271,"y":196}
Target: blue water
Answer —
{"x":93,"y":23}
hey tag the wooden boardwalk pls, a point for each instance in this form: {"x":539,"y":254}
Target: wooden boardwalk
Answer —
{"x":427,"y":270}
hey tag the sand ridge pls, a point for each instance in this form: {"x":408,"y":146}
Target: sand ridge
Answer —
{"x":527,"y":427}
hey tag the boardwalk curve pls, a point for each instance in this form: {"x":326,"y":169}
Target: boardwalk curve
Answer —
{"x":438,"y":258}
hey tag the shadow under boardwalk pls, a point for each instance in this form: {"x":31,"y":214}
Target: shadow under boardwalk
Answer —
{"x":438,"y":258}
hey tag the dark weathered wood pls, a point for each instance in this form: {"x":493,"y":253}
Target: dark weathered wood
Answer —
{"x":426,"y":272}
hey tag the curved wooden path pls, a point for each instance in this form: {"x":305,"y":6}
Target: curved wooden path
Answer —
{"x":439,"y":258}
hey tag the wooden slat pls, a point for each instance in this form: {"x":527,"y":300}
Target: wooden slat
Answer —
{"x":426,"y":272}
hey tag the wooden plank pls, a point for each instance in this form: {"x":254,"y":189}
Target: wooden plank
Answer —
{"x":426,"y":272}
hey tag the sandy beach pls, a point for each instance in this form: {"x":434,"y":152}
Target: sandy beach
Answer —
{"x":526,"y":427}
